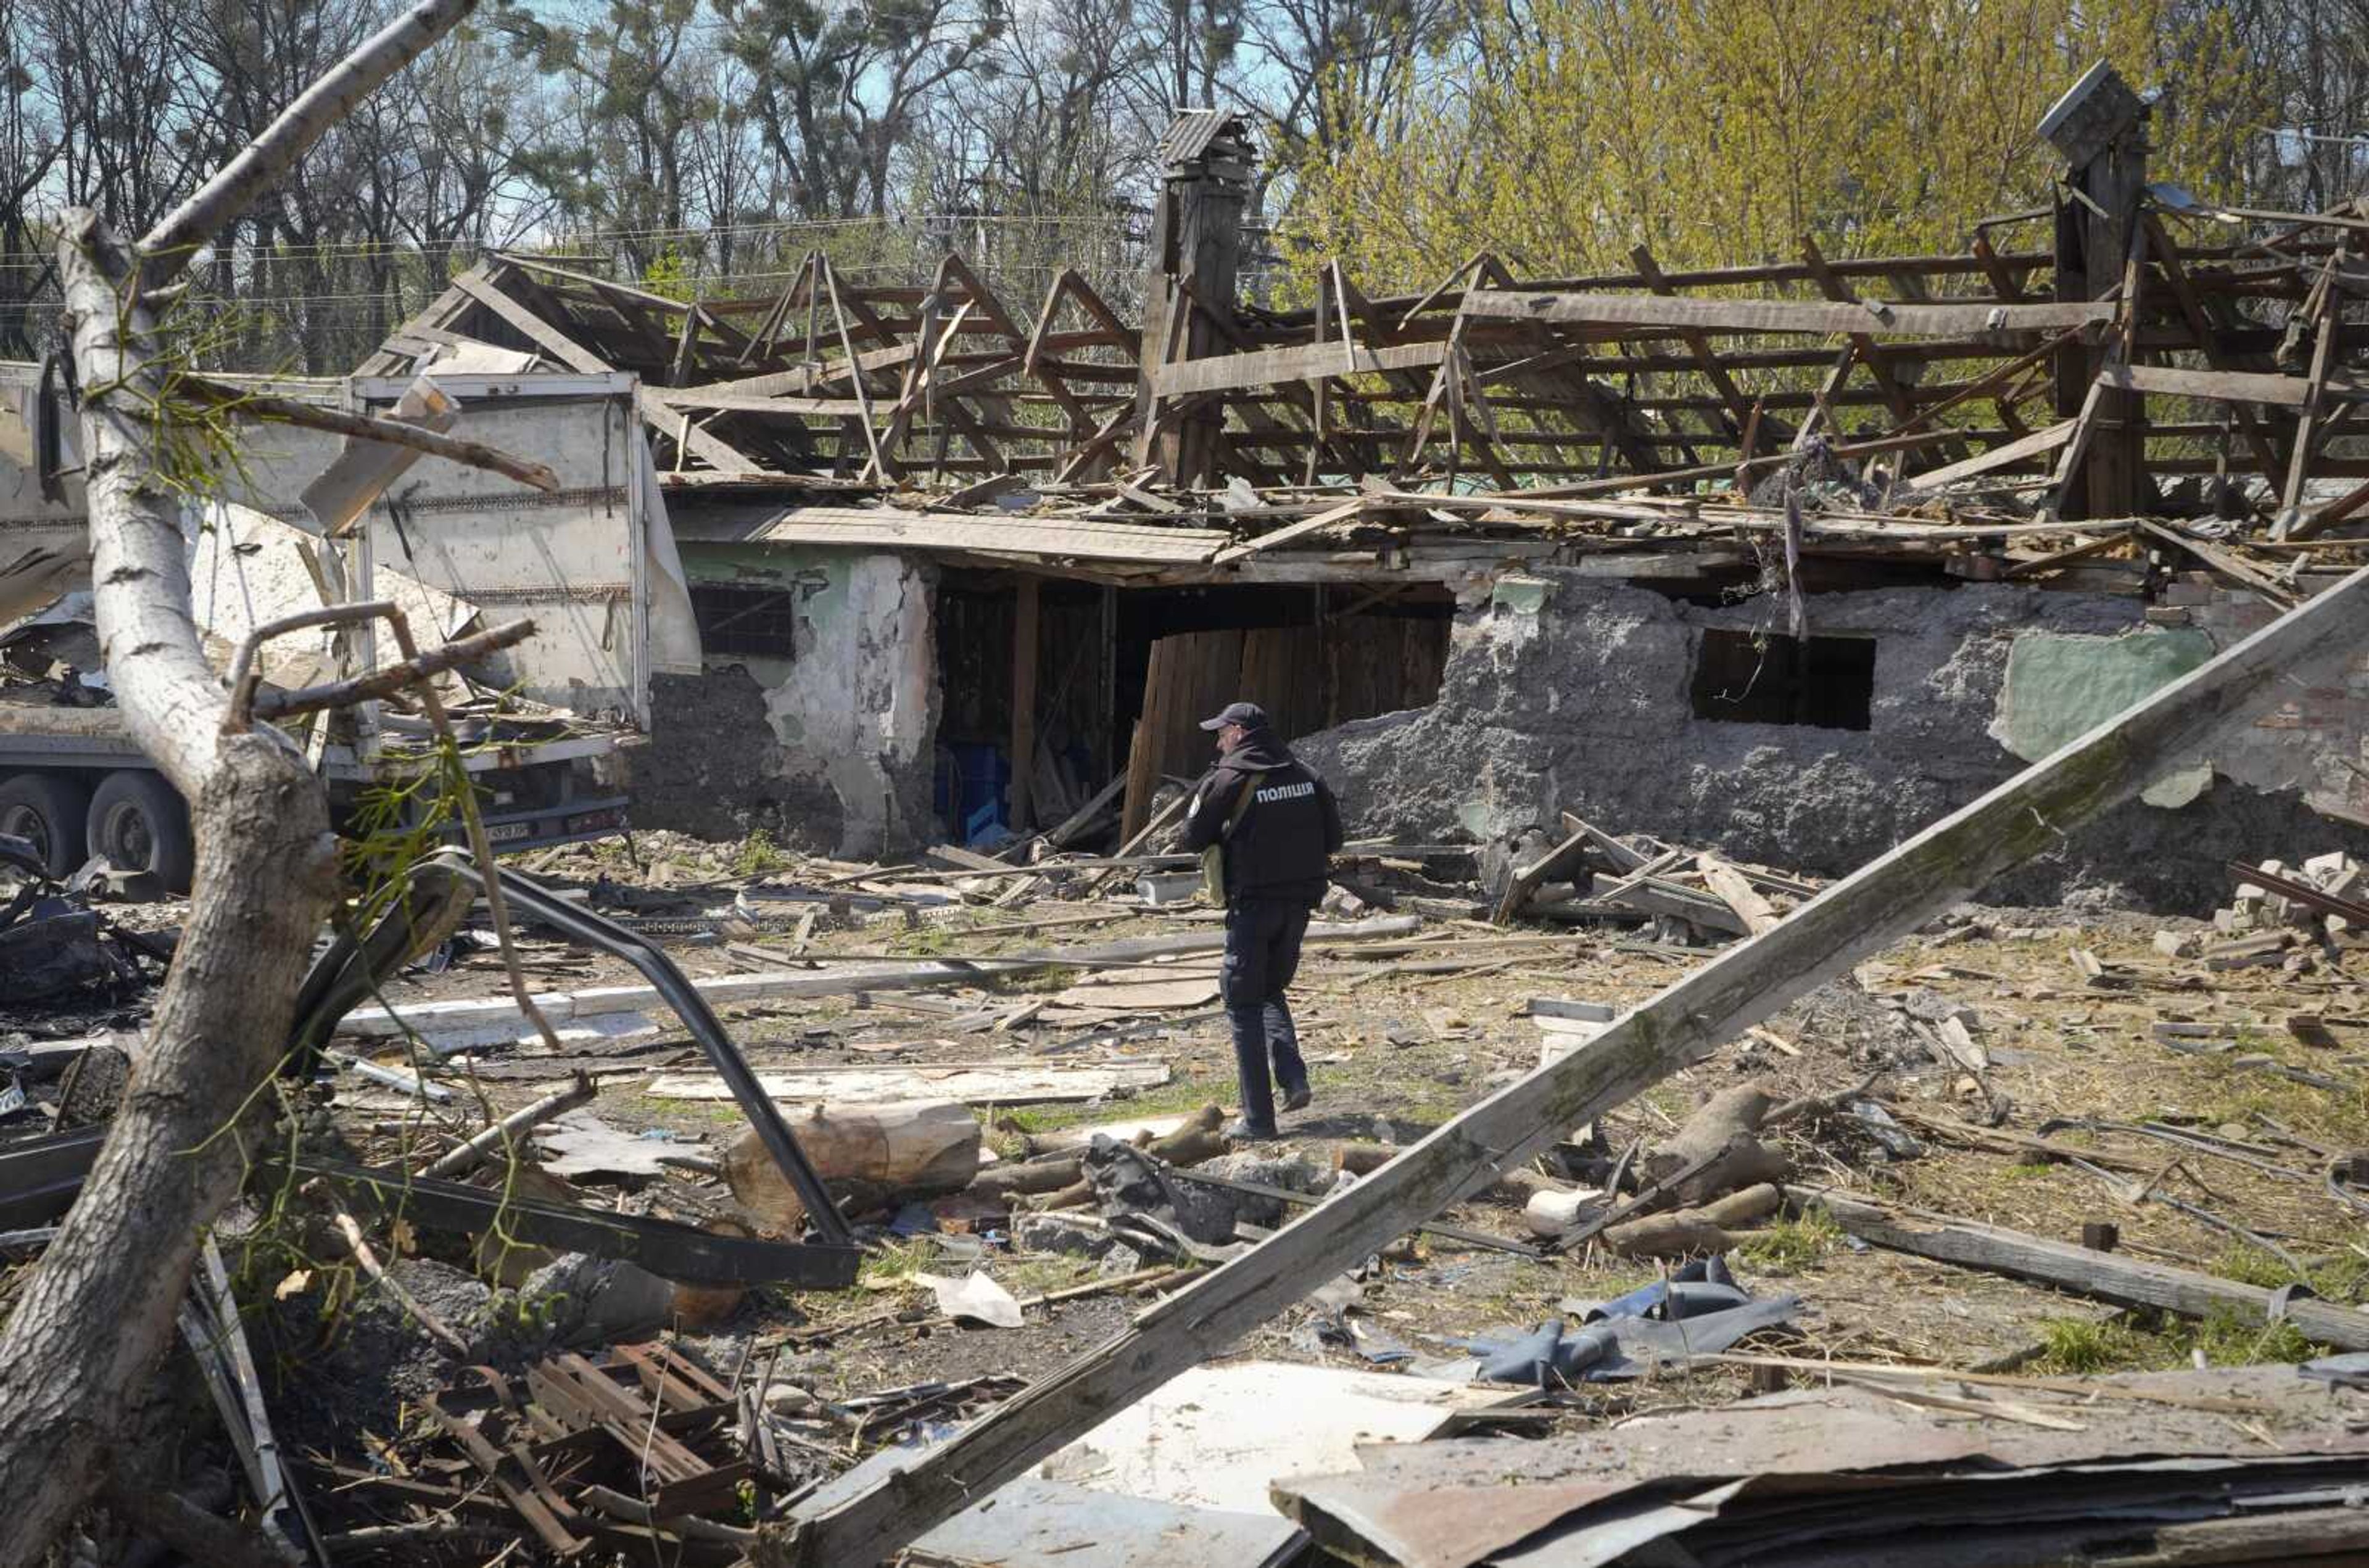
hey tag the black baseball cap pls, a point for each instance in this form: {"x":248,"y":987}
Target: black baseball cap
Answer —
{"x":1250,"y":716}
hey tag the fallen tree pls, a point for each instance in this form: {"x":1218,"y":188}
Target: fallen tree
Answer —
{"x":97,"y":1314}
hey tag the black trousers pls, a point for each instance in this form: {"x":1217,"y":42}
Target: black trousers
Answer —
{"x":1261,"y":954}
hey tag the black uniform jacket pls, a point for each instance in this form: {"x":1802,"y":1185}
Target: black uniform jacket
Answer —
{"x":1283,"y":846}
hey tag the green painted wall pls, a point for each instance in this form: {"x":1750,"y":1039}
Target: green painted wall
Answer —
{"x":2060,"y":687}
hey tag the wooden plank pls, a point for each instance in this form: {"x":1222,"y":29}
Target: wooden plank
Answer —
{"x":745,"y":403}
{"x":1561,"y":859}
{"x":1345,"y":512}
{"x":1782,"y":316}
{"x":2223,"y":561}
{"x":1079,"y":820}
{"x":1620,"y":853}
{"x":1059,"y":538}
{"x":2166,"y":251}
{"x":1887,"y":379}
{"x":726,"y":990}
{"x":1698,"y":344}
{"x":2013,"y":451}
{"x":1737,"y":893}
{"x":1018,"y":1083}
{"x":1654,"y":897}
{"x":529,"y":262}
{"x":2219,"y":386}
{"x":2332,"y":322}
{"x":1853,"y":919}
{"x":1273,"y":366}
{"x":2108,"y":1276}
{"x":536,"y":330}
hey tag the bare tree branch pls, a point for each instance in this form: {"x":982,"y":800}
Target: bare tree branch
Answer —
{"x":261,"y":163}
{"x":393,"y":432}
{"x":394,"y":677}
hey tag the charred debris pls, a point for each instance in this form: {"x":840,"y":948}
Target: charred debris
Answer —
{"x":829,"y":1170}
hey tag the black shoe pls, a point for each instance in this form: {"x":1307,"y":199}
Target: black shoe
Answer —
{"x":1240,"y":1130}
{"x":1296,"y":1099}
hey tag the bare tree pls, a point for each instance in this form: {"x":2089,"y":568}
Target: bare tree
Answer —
{"x":97,"y":1314}
{"x":842,"y":86}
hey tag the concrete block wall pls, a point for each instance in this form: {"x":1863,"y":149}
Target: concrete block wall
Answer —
{"x":829,"y":750}
{"x":1579,"y":699}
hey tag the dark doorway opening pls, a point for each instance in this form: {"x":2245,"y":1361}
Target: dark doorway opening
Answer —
{"x":1123,"y":676}
{"x":1767,"y":678}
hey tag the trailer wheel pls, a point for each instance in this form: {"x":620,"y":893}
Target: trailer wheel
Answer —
{"x":47,"y":808}
{"x":138,"y":822}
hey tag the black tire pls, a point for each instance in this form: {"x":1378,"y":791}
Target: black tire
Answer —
{"x":138,"y":822}
{"x":48,"y":808}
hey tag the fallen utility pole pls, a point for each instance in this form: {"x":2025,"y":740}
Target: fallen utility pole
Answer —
{"x":1852,"y":920}
{"x":2106,"y":1276}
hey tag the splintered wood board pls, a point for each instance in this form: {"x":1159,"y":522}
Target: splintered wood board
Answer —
{"x":1193,"y":985}
{"x":1217,"y":1437}
{"x":1017,"y":1084}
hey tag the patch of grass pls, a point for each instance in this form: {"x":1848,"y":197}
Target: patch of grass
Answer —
{"x":1791,"y":1245}
{"x":2080,"y":1346}
{"x":758,"y":855}
{"x":2160,"y":1342}
{"x":2030,"y":1170}
{"x":894,"y":1261}
{"x":2344,"y":1278}
{"x":926,"y":941}
{"x":2250,"y":1265}
{"x":1026,"y":1277}
{"x":2229,"y":1340}
{"x":2340,"y":1278}
{"x":1020,"y":982}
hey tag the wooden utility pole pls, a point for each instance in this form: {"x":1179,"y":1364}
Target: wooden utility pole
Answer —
{"x":2101,"y":127}
{"x":1188,"y":294}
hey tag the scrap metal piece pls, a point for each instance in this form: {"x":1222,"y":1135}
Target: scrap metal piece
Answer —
{"x":40,"y":1177}
{"x":672,"y":1250}
{"x":210,"y":1326}
{"x":594,"y":930}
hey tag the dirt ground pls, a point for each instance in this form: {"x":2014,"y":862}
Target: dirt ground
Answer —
{"x":1395,"y":1053}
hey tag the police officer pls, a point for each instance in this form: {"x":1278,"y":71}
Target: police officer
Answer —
{"x":1277,"y":825}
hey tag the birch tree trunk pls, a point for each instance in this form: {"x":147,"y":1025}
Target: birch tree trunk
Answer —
{"x":98,"y":1314}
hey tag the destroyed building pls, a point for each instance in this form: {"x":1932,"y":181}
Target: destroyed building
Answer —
{"x":960,"y":568}
{"x":1726,"y":630}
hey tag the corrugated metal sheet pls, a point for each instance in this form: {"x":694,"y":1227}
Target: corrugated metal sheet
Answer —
{"x":1194,"y":130}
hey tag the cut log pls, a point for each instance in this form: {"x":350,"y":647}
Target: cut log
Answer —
{"x":2107,"y":1276}
{"x":1726,"y":1121}
{"x":1703,"y":1229}
{"x":914,"y":1147}
{"x":1667,"y":1235}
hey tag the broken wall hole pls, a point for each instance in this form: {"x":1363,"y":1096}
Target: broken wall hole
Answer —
{"x":1819,"y":682}
{"x":1122,"y":676}
{"x":760,"y":622}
